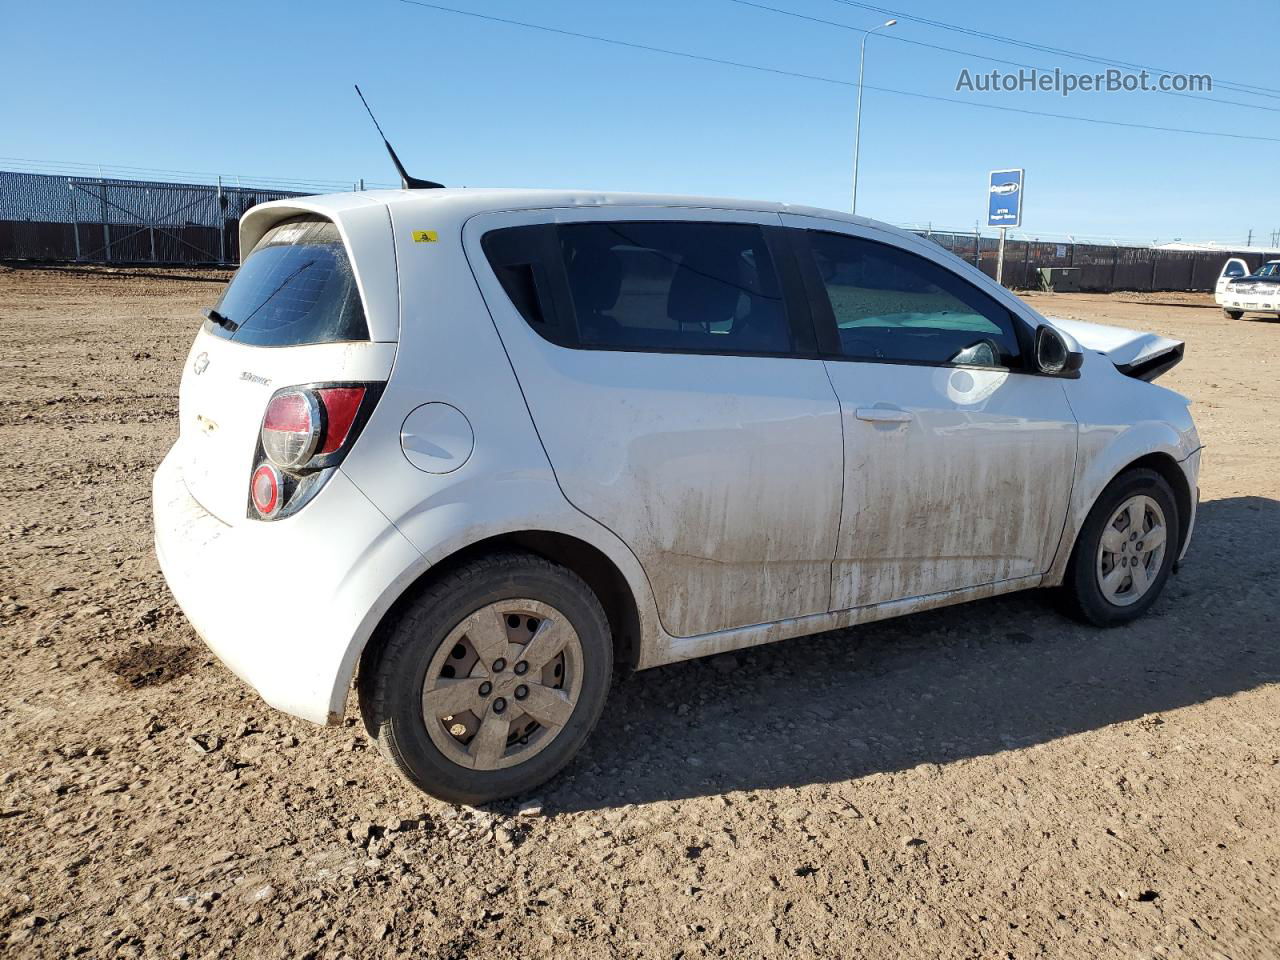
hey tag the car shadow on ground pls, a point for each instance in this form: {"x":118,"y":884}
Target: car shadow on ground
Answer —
{"x":937,"y":687}
{"x":1180,"y":304}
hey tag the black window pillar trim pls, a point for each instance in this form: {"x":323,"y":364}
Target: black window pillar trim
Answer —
{"x":815,"y":294}
{"x":796,"y":304}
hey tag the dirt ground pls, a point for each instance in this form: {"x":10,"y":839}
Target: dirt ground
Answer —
{"x":985,"y":781}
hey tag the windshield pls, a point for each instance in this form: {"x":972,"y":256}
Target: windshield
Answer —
{"x":295,"y":287}
{"x":1271,"y":269}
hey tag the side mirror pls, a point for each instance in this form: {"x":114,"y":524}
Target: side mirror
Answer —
{"x":1053,"y":357}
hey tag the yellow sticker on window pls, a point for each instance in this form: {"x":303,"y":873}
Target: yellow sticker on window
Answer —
{"x":425,"y":236}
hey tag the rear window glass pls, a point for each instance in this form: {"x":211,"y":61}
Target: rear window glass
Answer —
{"x":683,"y":286}
{"x":296,"y":287}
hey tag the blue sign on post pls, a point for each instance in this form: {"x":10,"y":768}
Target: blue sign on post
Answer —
{"x":1004,"y":203}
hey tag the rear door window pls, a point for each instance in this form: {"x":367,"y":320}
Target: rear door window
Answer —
{"x":662,"y":286}
{"x":296,"y":287}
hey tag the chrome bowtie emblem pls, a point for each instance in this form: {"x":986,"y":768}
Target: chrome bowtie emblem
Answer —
{"x":201,"y":364}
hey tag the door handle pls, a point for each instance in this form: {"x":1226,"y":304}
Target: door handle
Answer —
{"x":883,"y":415}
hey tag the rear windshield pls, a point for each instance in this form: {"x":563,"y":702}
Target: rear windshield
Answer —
{"x":295,"y":287}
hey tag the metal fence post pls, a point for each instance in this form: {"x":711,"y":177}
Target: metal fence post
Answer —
{"x":221,"y":219}
{"x":75,"y":221}
{"x":151,"y":227}
{"x":106,"y":227}
{"x":1115,"y":263}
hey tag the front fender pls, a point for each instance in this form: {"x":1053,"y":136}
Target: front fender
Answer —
{"x":1161,"y":425}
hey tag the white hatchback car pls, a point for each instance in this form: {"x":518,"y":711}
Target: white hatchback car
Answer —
{"x":469,"y":448}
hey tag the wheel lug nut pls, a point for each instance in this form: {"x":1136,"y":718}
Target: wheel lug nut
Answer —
{"x":499,"y":665}
{"x":499,"y":705}
{"x":521,"y":692}
{"x":521,"y":668}
{"x":486,"y":688}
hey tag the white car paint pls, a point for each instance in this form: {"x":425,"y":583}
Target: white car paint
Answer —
{"x":741,"y":499}
{"x":988,"y":454}
{"x":665,"y":451}
{"x":1233,"y":269}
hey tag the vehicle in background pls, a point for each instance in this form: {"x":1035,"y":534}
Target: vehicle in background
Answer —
{"x":468,"y":448}
{"x":1239,"y":292}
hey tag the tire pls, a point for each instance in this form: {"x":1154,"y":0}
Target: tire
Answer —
{"x":1233,"y":314}
{"x":1083,"y":589}
{"x":458,"y":606}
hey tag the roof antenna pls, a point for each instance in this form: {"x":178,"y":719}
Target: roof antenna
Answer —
{"x":406,"y":182}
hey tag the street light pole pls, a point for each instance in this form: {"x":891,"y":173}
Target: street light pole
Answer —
{"x":857,"y":124}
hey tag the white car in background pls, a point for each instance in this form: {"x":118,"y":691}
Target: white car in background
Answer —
{"x":470,"y":448}
{"x":1239,"y":292}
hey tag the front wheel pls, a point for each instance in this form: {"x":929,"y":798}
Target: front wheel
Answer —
{"x":1125,"y":550}
{"x":1233,"y":314}
{"x":490,"y":680}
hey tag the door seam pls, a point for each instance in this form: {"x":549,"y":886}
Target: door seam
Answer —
{"x":844,"y":455}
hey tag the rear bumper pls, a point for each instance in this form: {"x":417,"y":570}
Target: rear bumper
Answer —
{"x":288,"y":605}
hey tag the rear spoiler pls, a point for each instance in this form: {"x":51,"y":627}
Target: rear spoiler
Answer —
{"x":1143,"y":356}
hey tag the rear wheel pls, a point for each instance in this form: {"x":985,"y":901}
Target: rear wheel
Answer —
{"x":1233,"y":314}
{"x":1125,"y":551}
{"x":490,"y":680}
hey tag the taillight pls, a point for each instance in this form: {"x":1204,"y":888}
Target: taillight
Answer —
{"x":265,"y":490}
{"x":305,"y":424}
{"x":341,"y":404}
{"x":291,"y":428}
{"x":306,"y":431}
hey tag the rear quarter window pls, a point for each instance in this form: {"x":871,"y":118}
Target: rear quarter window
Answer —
{"x":295,"y":287}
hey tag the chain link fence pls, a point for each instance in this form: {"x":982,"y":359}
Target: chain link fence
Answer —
{"x":104,"y":220}
{"x":1099,"y":267}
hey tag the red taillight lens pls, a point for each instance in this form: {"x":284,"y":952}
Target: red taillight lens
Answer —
{"x":265,"y":490}
{"x":291,"y":428}
{"x":341,"y":404}
{"x":306,"y":432}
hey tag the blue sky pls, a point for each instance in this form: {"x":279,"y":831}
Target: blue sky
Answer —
{"x":264,"y":88}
